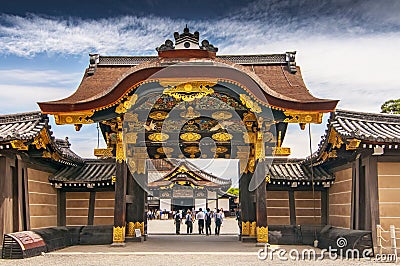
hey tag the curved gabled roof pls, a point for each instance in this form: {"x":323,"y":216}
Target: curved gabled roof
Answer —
{"x":199,"y":176}
{"x":269,"y":81}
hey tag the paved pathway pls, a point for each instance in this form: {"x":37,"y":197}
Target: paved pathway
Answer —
{"x":165,"y":248}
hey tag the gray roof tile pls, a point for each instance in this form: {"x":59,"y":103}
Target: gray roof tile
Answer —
{"x":22,"y":126}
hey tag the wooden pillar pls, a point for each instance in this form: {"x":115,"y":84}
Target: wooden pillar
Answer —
{"x":246,"y":199}
{"x":137,"y":195}
{"x":21,"y":203}
{"x":292,"y":207}
{"x":356,"y":200}
{"x":15,"y":198}
{"x":261,"y":203}
{"x":324,"y":206}
{"x":120,"y":203}
{"x":371,"y":178}
{"x":26,"y":200}
{"x":92,"y":203}
{"x":3,"y":181}
{"x":61,"y":208}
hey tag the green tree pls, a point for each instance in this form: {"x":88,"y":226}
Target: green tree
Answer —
{"x":234,"y":191}
{"x":391,"y":107}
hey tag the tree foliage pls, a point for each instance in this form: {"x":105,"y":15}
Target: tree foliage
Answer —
{"x":391,"y":107}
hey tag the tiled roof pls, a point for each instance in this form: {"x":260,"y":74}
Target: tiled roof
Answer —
{"x":268,"y":77}
{"x":64,"y":149}
{"x":237,"y":59}
{"x":207,"y":178}
{"x":100,"y":170}
{"x":93,"y":170}
{"x":296,"y":170}
{"x":383,"y":128}
{"x":23,"y":126}
{"x":364,"y":130}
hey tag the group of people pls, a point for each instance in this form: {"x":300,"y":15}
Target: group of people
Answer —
{"x":157,"y":214}
{"x":204,"y":219}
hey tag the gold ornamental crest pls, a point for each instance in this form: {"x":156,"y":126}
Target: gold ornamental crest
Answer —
{"x":188,"y":91}
{"x":158,"y":137}
{"x":222,"y":136}
{"x":190,"y":136}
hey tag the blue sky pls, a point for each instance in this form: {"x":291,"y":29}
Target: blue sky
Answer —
{"x":347,"y":50}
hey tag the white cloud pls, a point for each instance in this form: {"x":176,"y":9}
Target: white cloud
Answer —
{"x":36,"y":77}
{"x":339,"y":58}
{"x":21,"y":98}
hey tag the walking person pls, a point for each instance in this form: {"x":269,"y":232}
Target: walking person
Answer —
{"x":239,"y":220}
{"x":218,"y":222}
{"x":200,"y":218}
{"x":177,"y":222}
{"x":208,"y":220}
{"x":189,"y":222}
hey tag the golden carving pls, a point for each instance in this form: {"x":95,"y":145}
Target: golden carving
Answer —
{"x":335,"y":139}
{"x":55,"y":156}
{"x":113,"y":179}
{"x":188,"y":91}
{"x":127,"y":104}
{"x":192,"y":150}
{"x":131,"y":117}
{"x":131,"y":229}
{"x":250,"y":104}
{"x":190,"y":113}
{"x":74,"y":118}
{"x":262,"y":234}
{"x":251,"y":165}
{"x":260,"y":148}
{"x":130,"y":137}
{"x":221,"y":115}
{"x":140,"y":226}
{"x":19,"y":145}
{"x":41,"y":140}
{"x":219,"y":149}
{"x":120,"y":153}
{"x":46,"y":154}
{"x":243,"y":156}
{"x":302,"y":117}
{"x":352,"y":144}
{"x":158,"y":115}
{"x":158,"y":137}
{"x":165,"y":150}
{"x":103,"y":153}
{"x":245,"y":228}
{"x":281,"y":151}
{"x":252,"y":229}
{"x":332,"y":154}
{"x":137,"y":161}
{"x":249,"y":137}
{"x":132,"y":165}
{"x":222,"y":136}
{"x":190,"y":136}
{"x":267,"y":178}
{"x":118,"y":234}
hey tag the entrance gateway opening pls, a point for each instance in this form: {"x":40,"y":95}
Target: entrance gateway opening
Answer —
{"x":206,"y":184}
{"x":157,"y":113}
